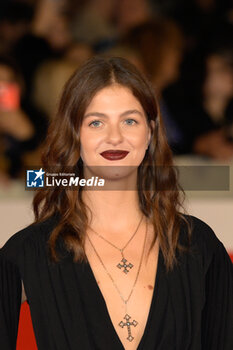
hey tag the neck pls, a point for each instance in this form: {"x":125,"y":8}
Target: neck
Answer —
{"x":112,"y":210}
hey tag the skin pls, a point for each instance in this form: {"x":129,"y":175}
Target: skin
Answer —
{"x":117,"y":131}
{"x":116,"y":214}
{"x":114,"y":131}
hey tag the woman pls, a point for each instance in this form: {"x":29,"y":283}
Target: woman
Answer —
{"x":107,"y":269}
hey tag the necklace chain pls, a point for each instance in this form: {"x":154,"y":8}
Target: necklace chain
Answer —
{"x":113,"y":245}
{"x":123,"y":299}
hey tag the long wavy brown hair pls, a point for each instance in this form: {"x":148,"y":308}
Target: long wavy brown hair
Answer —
{"x":62,"y":149}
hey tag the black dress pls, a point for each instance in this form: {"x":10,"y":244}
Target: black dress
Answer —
{"x":192,"y":306}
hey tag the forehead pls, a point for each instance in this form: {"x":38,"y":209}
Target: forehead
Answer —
{"x":114,"y":97}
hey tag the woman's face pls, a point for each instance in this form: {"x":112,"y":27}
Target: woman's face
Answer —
{"x":114,"y":120}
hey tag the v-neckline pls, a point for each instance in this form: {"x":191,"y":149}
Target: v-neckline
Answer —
{"x":151,"y":309}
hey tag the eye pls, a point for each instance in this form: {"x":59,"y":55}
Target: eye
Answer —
{"x":132,"y":120}
{"x":94,"y":123}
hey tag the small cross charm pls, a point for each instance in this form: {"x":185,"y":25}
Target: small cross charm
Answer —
{"x":128,"y":324}
{"x":129,"y":265}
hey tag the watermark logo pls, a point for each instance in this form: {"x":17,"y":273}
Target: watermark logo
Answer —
{"x":124,"y":178}
{"x":35,"y":178}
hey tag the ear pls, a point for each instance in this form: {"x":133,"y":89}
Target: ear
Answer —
{"x":152,"y":123}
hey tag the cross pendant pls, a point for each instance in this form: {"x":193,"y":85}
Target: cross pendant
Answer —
{"x":129,"y":265}
{"x":128,"y":324}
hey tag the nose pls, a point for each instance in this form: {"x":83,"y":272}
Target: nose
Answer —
{"x":114,"y":135}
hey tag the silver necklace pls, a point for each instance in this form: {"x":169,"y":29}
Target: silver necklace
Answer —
{"x":123,"y":263}
{"x":127,"y":317}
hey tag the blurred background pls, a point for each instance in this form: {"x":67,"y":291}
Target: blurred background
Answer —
{"x":183,"y":47}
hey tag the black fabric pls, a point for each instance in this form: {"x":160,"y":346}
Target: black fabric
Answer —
{"x":192,"y":306}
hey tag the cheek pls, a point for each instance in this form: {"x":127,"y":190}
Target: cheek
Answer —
{"x":139,"y":143}
{"x":85,"y":139}
{"x":88,"y":145}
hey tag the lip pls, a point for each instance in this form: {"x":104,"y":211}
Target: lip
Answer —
{"x":114,"y":154}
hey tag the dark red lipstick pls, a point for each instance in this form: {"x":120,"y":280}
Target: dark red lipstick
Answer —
{"x":114,"y":154}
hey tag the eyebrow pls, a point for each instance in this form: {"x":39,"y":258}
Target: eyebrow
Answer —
{"x":124,"y":114}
